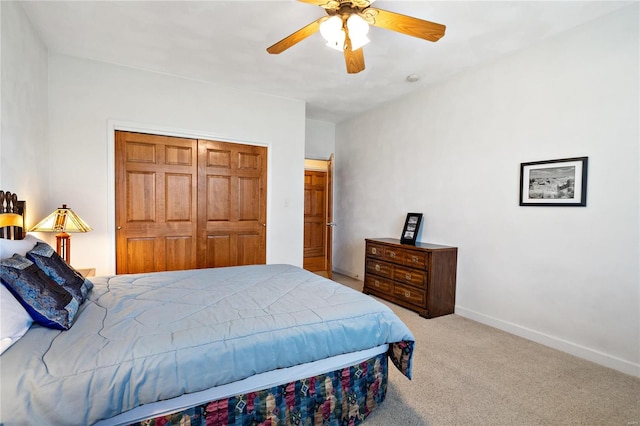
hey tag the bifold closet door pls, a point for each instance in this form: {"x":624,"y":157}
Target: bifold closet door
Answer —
{"x":187,"y":203}
{"x":232,"y":207}
{"x":156,"y":203}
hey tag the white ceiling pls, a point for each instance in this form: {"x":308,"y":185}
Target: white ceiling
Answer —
{"x":225,"y":42}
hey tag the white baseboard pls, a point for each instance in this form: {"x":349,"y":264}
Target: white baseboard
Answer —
{"x":592,"y":355}
{"x":348,"y":274}
{"x":583,"y":352}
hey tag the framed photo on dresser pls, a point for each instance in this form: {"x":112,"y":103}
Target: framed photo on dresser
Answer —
{"x":411,"y":227}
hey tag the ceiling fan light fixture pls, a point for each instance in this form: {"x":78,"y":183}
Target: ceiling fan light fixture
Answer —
{"x":338,"y":42}
{"x":331,"y":30}
{"x":347,"y":25}
{"x":358,"y":30}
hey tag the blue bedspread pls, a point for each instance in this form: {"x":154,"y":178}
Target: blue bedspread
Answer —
{"x":148,"y":337}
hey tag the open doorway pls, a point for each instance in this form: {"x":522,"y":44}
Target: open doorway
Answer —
{"x":318,"y":216}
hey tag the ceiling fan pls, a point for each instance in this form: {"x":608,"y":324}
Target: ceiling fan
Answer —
{"x":346,"y":28}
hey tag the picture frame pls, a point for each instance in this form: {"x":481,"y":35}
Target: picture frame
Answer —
{"x":558,"y":183}
{"x":411,"y":228}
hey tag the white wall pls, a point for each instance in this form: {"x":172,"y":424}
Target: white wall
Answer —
{"x":320,"y":139}
{"x":88,"y":100}
{"x":24,"y":166}
{"x":566,"y":277}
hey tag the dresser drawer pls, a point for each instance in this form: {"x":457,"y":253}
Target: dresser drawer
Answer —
{"x":375,"y":250}
{"x":377,"y":267}
{"x":410,"y":276}
{"x":410,"y":294}
{"x":415,"y":259}
{"x":394,"y":254}
{"x":376,"y":283}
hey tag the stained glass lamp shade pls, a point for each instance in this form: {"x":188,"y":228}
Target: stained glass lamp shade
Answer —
{"x":62,"y":220}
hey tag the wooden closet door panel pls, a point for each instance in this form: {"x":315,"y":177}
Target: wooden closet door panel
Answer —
{"x":218,"y":253}
{"x":179,"y":252}
{"x":178,"y":188}
{"x":140,"y":196}
{"x":231,"y":203}
{"x":249,"y":198}
{"x":249,"y":248}
{"x":156,"y":204}
{"x":218,"y":198}
{"x":141,"y":255}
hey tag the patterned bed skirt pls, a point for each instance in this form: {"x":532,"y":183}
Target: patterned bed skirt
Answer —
{"x":342,"y":397}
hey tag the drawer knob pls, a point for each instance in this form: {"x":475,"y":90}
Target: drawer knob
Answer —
{"x":376,"y":283}
{"x":408,"y":277}
{"x":392,"y":254}
{"x":407,"y":293}
{"x":378,"y":268}
{"x":415,"y":259}
{"x":373,"y":250}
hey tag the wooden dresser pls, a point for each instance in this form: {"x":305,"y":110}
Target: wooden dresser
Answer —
{"x":421,"y":277}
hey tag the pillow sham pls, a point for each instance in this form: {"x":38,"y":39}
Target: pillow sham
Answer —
{"x":60,"y":271}
{"x":15,"y":320}
{"x":10,"y":247}
{"x":48,"y":303}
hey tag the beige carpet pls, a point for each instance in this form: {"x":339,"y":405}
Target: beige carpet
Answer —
{"x":466,"y":373}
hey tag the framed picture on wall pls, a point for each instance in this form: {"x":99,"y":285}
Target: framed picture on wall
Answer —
{"x":554,"y":182}
{"x":411,"y":227}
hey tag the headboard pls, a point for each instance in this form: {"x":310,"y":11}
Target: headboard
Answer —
{"x":12,"y":216}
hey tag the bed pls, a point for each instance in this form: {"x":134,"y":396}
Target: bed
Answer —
{"x":250,"y":345}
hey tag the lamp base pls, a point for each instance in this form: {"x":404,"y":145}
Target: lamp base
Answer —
{"x":63,"y":246}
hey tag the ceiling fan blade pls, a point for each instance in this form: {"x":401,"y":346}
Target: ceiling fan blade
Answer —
{"x":296,"y":37}
{"x":353,"y":59}
{"x":404,"y":24}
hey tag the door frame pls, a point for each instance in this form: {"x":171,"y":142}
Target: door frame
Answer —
{"x":128,"y":126}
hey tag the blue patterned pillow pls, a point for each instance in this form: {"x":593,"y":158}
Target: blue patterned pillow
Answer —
{"x":60,"y":271}
{"x":48,"y":303}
